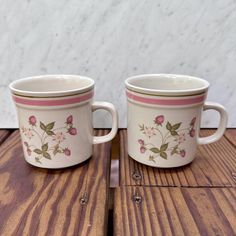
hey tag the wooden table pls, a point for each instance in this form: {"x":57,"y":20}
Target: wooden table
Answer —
{"x":198,"y":199}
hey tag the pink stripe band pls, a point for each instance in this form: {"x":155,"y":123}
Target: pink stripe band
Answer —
{"x":170,"y":102}
{"x":53,"y":102}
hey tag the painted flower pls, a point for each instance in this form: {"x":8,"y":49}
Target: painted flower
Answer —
{"x":58,"y":137}
{"x":192,"y":132}
{"x":149,"y":131}
{"x":67,"y":151}
{"x":193,"y":121}
{"x":180,"y":138}
{"x":142,"y":149}
{"x":28,"y":133}
{"x":32,"y":120}
{"x":182,"y":153}
{"x":69,"y":120}
{"x":72,"y":131}
{"x":141,"y":141}
{"x":159,"y":120}
{"x":29,"y":151}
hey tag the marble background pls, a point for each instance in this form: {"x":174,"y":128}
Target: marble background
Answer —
{"x":110,"y":40}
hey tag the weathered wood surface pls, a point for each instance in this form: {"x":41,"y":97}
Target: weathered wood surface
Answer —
{"x":214,"y":166}
{"x":175,"y":211}
{"x":36,"y":201}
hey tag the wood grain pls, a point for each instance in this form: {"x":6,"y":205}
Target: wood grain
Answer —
{"x":3,"y":135}
{"x":36,"y":201}
{"x":214,"y":166}
{"x":175,"y":211}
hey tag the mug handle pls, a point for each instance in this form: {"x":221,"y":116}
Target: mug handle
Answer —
{"x":110,"y":108}
{"x":222,"y":125}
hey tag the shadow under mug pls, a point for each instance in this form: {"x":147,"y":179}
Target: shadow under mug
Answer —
{"x":55,"y":119}
{"x":164,"y":115}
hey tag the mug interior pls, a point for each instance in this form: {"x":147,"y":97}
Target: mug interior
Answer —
{"x":51,"y":85}
{"x":167,"y":84}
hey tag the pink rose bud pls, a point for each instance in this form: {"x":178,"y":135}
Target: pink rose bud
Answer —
{"x":140,"y":141}
{"x":72,"y":131}
{"x":67,"y":151}
{"x":193,"y":121}
{"x":69,"y":119}
{"x":159,"y":120}
{"x":32,"y":120}
{"x":142,"y":149}
{"x":192,"y":133}
{"x":29,"y":152}
{"x":182,"y":153}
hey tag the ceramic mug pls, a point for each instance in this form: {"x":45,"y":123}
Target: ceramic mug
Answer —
{"x":164,"y":114}
{"x":55,"y":119}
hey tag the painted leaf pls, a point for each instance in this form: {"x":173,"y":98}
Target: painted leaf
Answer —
{"x":47,"y":155}
{"x":155,"y":150}
{"x":176,"y":126}
{"x":151,"y":158}
{"x":168,"y":126}
{"x":49,"y":132}
{"x":42,"y":126}
{"x":141,"y":127}
{"x":163,"y":155}
{"x":38,"y":151}
{"x":38,"y":160}
{"x":174,"y":151}
{"x":164,"y":147}
{"x":50,"y":126}
{"x":173,"y":133}
{"x":45,"y":147}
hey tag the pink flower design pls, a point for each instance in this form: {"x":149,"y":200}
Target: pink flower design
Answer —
{"x":67,"y":151}
{"x":58,"y":137}
{"x":141,"y":141}
{"x":32,"y":120}
{"x":69,"y":120}
{"x":72,"y":131}
{"x":192,"y":132}
{"x":149,"y":131}
{"x":182,"y":153}
{"x":192,"y":123}
{"x":142,"y":149}
{"x":28,"y":133}
{"x":180,"y":138}
{"x":29,"y":151}
{"x":159,"y":120}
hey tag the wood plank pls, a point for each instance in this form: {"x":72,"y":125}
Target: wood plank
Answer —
{"x":214,"y":166}
{"x":175,"y":211}
{"x":4,"y":133}
{"x":36,"y":201}
{"x":230,"y":134}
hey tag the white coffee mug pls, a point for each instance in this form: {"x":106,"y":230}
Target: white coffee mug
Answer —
{"x":164,"y":115}
{"x":55,"y":119}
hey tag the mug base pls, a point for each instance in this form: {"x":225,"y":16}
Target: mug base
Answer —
{"x":51,"y":167}
{"x":162,"y":166}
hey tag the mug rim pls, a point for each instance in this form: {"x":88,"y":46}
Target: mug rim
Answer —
{"x":166,"y":92}
{"x":52,"y":93}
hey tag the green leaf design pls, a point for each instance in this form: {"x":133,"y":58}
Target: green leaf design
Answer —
{"x":155,"y":150}
{"x":164,"y":147}
{"x":173,"y":133}
{"x":163,"y":155}
{"x":175,"y":150}
{"x":38,"y":151}
{"x":55,"y":151}
{"x":176,"y":126}
{"x":141,"y":127}
{"x":45,"y":147}
{"x":38,"y":160}
{"x":42,"y":126}
{"x":47,"y":155}
{"x":50,"y":126}
{"x":49,"y":132}
{"x":151,"y":158}
{"x":168,"y":126}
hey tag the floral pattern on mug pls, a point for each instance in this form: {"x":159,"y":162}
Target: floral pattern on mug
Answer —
{"x":50,"y":138}
{"x":172,"y":137}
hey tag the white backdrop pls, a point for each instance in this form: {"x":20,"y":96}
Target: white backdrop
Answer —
{"x":111,"y":40}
